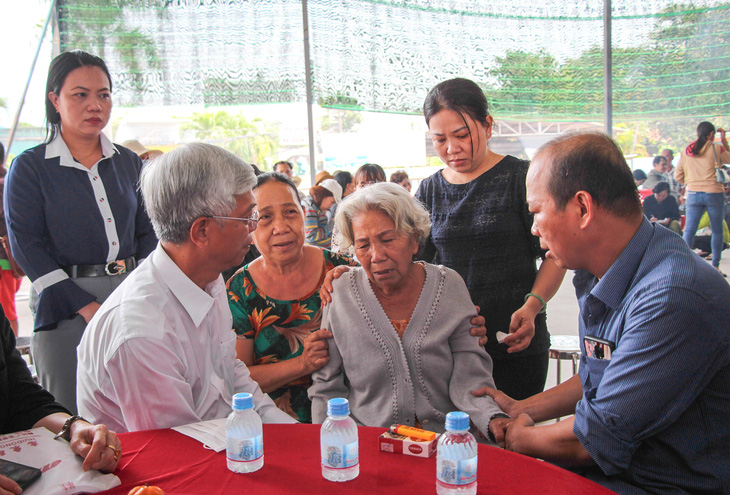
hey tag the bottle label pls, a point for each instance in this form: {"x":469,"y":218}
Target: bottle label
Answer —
{"x":245,"y":449}
{"x":340,"y":456}
{"x":463,"y":472}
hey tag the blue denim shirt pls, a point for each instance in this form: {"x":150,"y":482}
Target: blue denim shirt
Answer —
{"x":656,"y":415}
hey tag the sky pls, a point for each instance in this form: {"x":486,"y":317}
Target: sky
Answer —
{"x":19,"y":33}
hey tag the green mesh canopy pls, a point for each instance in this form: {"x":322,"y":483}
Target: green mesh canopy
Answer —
{"x":535,"y":60}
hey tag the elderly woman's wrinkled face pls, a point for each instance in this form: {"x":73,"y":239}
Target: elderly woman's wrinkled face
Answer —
{"x":384,"y":254}
{"x":280,"y":232}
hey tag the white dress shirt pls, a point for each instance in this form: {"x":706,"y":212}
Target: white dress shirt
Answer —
{"x":160,"y":352}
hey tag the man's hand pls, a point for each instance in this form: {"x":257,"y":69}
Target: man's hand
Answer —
{"x":316,"y":351}
{"x":8,"y":486}
{"x":506,"y":403}
{"x":99,"y":447}
{"x":517,"y":437}
{"x":498,"y":427}
{"x":325,"y":292}
{"x":479,"y":329}
{"x":521,"y":329}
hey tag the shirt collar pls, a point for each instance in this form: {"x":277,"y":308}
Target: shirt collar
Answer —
{"x":196,"y":301}
{"x":59,"y":149}
{"x":612,"y":287}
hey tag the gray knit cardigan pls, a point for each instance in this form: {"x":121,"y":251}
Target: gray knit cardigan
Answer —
{"x":426,"y":374}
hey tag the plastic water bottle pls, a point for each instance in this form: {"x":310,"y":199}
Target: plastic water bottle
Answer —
{"x":244,"y":436}
{"x":338,"y":443}
{"x":456,"y":457}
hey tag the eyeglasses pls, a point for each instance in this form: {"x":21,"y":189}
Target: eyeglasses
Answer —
{"x":250,"y":221}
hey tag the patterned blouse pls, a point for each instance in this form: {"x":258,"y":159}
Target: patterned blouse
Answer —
{"x":279,"y":328}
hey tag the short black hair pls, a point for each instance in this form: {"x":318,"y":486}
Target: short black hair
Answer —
{"x":591,"y":162}
{"x":658,"y":159}
{"x":284,"y":162}
{"x":371,"y":172}
{"x":660,"y":187}
{"x":276,"y":177}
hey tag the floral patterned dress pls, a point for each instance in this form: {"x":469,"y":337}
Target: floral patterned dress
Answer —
{"x":279,"y":328}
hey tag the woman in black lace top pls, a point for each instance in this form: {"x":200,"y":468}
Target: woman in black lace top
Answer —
{"x":481,"y":229}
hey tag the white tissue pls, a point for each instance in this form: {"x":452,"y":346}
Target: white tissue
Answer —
{"x":212,"y":434}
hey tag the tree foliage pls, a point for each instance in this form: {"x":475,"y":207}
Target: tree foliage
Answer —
{"x":254,"y":141}
{"x":104,"y":29}
{"x":661,"y":90}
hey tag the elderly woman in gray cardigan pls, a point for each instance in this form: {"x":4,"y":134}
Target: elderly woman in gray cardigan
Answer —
{"x":401,"y":351}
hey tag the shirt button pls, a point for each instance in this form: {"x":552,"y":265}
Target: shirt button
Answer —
{"x":101,"y":200}
{"x":425,"y":422}
{"x":114,"y":243}
{"x":108,"y":219}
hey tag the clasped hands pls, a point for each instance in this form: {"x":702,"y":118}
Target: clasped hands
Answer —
{"x":510,"y":433}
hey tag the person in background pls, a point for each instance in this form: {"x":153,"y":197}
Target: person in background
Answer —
{"x":696,"y":170}
{"x":639,"y":177}
{"x":400,"y":177}
{"x":160,"y":351}
{"x":481,"y":229}
{"x":399,"y":347}
{"x":284,"y":167}
{"x":656,"y":174}
{"x":322,"y":176}
{"x":316,"y":224}
{"x":368,"y":174}
{"x":24,"y":405}
{"x":345,"y":180}
{"x":661,"y":207}
{"x":76,"y":221}
{"x":675,"y":188}
{"x":651,"y":398}
{"x":703,"y":237}
{"x":145,"y":154}
{"x":287,"y":168}
{"x":9,"y":283}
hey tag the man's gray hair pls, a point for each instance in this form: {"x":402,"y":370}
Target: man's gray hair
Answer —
{"x":408,"y":215}
{"x":192,"y":181}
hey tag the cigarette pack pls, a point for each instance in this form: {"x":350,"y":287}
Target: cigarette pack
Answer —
{"x":400,"y":444}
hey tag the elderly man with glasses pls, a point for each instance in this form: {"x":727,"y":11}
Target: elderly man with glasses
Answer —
{"x":160,"y":351}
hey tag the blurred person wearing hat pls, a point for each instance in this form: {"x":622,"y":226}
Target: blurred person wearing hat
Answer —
{"x":145,"y":154}
{"x":316,"y":224}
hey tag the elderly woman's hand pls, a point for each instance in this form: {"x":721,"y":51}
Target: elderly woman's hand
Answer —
{"x":100,"y":447}
{"x":316,"y":352}
{"x":498,"y":427}
{"x":325,"y":292}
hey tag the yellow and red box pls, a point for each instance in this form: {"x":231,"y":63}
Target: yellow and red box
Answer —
{"x":401,"y":444}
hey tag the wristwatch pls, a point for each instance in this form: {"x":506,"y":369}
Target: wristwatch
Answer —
{"x":490,"y":435}
{"x":65,"y":432}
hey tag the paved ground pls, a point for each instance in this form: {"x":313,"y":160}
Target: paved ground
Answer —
{"x":562,"y":316}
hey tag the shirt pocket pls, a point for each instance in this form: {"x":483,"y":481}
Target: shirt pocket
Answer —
{"x":596,"y":368}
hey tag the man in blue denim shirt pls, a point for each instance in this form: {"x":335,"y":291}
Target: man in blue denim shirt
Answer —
{"x":652,"y":397}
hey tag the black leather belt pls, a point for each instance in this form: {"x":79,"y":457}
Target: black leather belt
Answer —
{"x":112,"y":268}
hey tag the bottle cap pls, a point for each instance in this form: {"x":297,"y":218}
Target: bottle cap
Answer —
{"x":242,"y":401}
{"x":457,"y":421}
{"x":338,"y":407}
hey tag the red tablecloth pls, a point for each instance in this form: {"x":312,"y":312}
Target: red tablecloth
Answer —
{"x":180,"y":465}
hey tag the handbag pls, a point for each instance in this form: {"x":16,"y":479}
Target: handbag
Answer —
{"x":721,"y":175}
{"x":14,"y":267}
